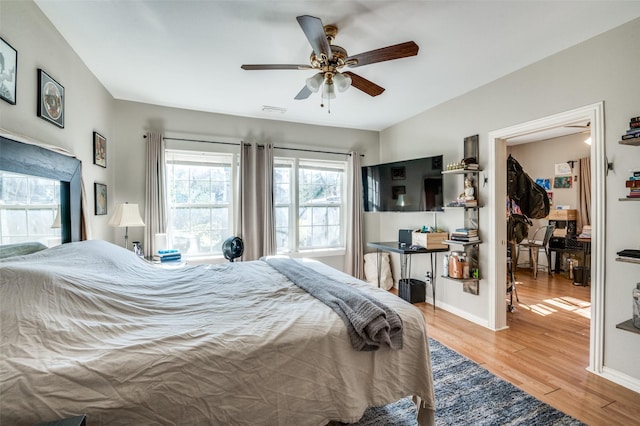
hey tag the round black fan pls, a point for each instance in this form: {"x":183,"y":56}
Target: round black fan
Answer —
{"x":232,"y":248}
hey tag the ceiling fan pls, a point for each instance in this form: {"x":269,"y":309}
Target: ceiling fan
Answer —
{"x":329,"y":60}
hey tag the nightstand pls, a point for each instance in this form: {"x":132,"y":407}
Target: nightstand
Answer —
{"x":70,"y":421}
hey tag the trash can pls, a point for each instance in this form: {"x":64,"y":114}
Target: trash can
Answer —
{"x":578,"y":275}
{"x":412,"y":290}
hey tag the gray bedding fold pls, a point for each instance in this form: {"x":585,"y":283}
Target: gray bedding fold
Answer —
{"x":370,"y":322}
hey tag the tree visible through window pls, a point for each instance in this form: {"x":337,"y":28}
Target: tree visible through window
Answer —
{"x":200,"y":200}
{"x":315,"y":190}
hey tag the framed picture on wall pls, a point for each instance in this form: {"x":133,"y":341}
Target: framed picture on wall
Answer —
{"x":562,"y":182}
{"x":50,"y":99}
{"x":398,"y":173}
{"x":100,"y":191}
{"x":8,"y":72}
{"x":99,"y":150}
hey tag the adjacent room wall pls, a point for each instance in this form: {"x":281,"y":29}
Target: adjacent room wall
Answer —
{"x":599,"y":69}
{"x":538,"y":159}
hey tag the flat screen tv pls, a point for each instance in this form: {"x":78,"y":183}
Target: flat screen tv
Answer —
{"x":403,"y":186}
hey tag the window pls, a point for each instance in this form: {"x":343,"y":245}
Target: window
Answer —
{"x":199,"y":192}
{"x":309,"y":203}
{"x":28,"y":207}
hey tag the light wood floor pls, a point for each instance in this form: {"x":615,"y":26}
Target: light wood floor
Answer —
{"x":545,"y":350}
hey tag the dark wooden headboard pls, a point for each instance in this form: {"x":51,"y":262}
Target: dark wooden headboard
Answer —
{"x":33,"y":160}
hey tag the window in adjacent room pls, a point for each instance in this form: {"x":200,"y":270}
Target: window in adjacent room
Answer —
{"x":200,"y":198}
{"x":28,"y":208}
{"x":310,"y":204}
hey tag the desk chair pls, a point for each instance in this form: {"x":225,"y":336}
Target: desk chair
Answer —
{"x":540,"y":241}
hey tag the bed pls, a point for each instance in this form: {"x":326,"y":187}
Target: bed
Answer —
{"x":89,"y":328}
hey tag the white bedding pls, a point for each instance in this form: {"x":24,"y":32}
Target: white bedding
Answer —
{"x":90,"y":328}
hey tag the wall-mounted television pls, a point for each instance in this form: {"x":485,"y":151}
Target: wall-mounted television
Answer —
{"x":409,"y":186}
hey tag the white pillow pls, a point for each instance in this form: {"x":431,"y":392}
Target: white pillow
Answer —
{"x":371,"y":270}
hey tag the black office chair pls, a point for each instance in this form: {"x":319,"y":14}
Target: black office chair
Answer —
{"x":535,"y":245}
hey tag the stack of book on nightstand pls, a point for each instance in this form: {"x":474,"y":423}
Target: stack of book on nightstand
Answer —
{"x":466,"y":235}
{"x":169,"y":255}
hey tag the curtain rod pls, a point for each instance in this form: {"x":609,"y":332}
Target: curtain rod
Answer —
{"x":275,"y":147}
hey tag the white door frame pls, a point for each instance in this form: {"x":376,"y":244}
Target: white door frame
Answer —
{"x":498,"y":221}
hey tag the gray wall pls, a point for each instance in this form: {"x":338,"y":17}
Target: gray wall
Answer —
{"x":600,"y":69}
{"x":88,"y":106}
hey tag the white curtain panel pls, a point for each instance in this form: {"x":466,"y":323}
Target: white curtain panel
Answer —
{"x":584,"y":192}
{"x":155,"y":210}
{"x":354,"y":262}
{"x":256,"y":221}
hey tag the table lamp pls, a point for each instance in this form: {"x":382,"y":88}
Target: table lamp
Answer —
{"x":126,"y":215}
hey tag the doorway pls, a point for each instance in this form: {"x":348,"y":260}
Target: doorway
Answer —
{"x":497,"y":222}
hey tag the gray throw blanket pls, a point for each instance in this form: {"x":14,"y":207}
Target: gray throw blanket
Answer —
{"x":370,"y":323}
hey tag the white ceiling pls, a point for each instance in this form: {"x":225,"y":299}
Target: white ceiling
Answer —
{"x":187,"y":54}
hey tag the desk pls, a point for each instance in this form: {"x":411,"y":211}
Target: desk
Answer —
{"x":405,"y":253}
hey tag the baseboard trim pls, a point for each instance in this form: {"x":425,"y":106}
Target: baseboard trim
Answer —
{"x":620,"y":378}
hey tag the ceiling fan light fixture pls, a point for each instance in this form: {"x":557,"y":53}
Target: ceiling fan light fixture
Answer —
{"x":329,"y":91}
{"x":314,"y":83}
{"x":341,"y":81}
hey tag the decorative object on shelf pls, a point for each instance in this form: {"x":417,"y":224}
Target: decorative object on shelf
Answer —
{"x":8,"y":72}
{"x":99,"y":150}
{"x":634,"y":129}
{"x":50,"y":99}
{"x":126,"y":215}
{"x":469,"y":191}
{"x":100,"y":194}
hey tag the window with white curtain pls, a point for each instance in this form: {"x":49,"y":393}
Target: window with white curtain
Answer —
{"x":201,"y":200}
{"x":310,"y":204}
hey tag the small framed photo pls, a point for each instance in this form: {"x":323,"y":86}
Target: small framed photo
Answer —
{"x":50,"y":99}
{"x":8,"y":72}
{"x":398,"y":173}
{"x":99,"y":150}
{"x":397,"y":190}
{"x":100,"y":190}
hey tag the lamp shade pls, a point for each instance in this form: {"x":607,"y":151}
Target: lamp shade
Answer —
{"x":314,"y":83}
{"x":329,"y":90}
{"x":341,"y":81}
{"x":126,"y":215}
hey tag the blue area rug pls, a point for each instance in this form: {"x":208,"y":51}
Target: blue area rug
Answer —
{"x":467,"y":394}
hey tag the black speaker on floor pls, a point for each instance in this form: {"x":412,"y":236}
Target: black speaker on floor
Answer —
{"x":412,"y":290}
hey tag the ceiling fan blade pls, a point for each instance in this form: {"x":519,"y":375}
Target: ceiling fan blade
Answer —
{"x":314,"y":30}
{"x":252,"y":67}
{"x":397,"y":51}
{"x":367,"y":86}
{"x":303,"y":94}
